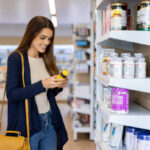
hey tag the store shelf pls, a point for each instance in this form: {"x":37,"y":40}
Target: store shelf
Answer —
{"x":135,"y":84}
{"x":105,"y":146}
{"x":82,"y":129}
{"x":127,"y":36}
{"x":84,"y":109}
{"x":86,"y":97}
{"x":136,"y":113}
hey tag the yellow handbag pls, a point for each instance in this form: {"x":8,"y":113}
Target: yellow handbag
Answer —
{"x":13,"y":142}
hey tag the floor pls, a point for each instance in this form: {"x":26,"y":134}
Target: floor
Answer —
{"x":83,"y":142}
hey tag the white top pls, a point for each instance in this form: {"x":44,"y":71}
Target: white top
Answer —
{"x":38,"y":72}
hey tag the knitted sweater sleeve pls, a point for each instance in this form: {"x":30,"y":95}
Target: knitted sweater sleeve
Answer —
{"x":14,"y":91}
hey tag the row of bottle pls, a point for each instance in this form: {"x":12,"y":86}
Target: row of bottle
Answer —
{"x":124,"y":66}
{"x":117,"y":99}
{"x":137,"y":139}
{"x":117,"y":16}
{"x":132,"y":138}
{"x":82,"y":68}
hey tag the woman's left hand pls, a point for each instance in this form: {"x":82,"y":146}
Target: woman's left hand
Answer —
{"x":63,"y":83}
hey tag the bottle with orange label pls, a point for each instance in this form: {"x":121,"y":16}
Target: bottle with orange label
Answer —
{"x":104,"y":66}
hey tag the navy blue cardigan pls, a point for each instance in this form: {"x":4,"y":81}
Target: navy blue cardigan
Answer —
{"x":16,"y":95}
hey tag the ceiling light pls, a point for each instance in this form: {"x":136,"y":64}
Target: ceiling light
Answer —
{"x":54,"y":20}
{"x":52,"y":7}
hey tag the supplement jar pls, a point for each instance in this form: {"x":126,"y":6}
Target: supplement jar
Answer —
{"x":116,"y":66}
{"x":143,"y":141}
{"x":118,"y":16}
{"x":140,"y":68}
{"x":145,"y":15}
{"x":130,"y":138}
{"x":128,"y":67}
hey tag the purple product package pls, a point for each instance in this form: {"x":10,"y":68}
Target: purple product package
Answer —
{"x":120,"y":100}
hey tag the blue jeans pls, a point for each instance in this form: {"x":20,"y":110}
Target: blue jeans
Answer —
{"x":46,"y":139}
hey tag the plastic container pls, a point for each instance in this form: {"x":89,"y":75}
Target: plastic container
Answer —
{"x":107,"y":97}
{"x":145,"y":15}
{"x":140,"y":68}
{"x":106,"y":132}
{"x":118,"y":16}
{"x":116,"y":135}
{"x":111,"y":56}
{"x":104,"y":66}
{"x":120,"y":100}
{"x":116,"y":66}
{"x":130,"y":138}
{"x":138,"y":55}
{"x":143,"y":141}
{"x":128,"y":67}
{"x":125,"y":55}
{"x":63,"y":74}
{"x":136,"y":133}
{"x":138,"y":17}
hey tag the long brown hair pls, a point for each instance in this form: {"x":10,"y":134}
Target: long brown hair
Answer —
{"x":34,"y":26}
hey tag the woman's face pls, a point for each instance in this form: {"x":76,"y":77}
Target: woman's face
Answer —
{"x":42,"y":40}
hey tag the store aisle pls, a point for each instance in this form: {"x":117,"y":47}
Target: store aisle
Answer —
{"x":83,"y":143}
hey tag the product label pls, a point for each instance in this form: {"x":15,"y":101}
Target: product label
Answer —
{"x":117,"y":99}
{"x":116,"y":70}
{"x":118,"y":19}
{"x":128,"y":70}
{"x":140,"y":70}
{"x":145,"y":16}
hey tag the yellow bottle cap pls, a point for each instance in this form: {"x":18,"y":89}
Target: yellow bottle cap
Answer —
{"x":105,"y":58}
{"x":65,"y":72}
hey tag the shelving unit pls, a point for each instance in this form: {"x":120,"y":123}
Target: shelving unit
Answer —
{"x":83,"y":109}
{"x":136,"y":113}
{"x":123,"y":40}
{"x":135,"y":84}
{"x":83,"y":82}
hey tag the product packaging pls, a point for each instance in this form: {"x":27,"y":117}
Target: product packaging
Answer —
{"x":115,"y":139}
{"x":106,"y":132}
{"x":120,"y":100}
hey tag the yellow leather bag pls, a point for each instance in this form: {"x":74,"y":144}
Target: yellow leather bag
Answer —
{"x":16,"y":142}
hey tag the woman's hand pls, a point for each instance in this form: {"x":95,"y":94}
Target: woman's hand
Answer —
{"x":53,"y":82}
{"x":64,"y":83}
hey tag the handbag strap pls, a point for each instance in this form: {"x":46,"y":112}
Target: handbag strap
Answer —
{"x":2,"y":107}
{"x":26,"y":101}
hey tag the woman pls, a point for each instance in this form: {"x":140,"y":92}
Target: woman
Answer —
{"x":47,"y":129}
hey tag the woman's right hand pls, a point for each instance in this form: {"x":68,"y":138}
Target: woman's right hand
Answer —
{"x":52,"y":82}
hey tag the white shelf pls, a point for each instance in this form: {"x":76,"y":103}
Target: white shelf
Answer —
{"x":135,"y":84}
{"x":82,"y":129}
{"x":127,"y":36}
{"x":137,"y":117}
{"x":86,"y":97}
{"x":105,"y":146}
{"x":83,"y":109}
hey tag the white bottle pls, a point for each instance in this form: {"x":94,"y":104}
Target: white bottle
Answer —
{"x":116,"y":66}
{"x":109,"y":59}
{"x":128,"y":67}
{"x":140,"y":68}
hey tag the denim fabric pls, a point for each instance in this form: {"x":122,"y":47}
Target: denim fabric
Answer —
{"x":45,"y":139}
